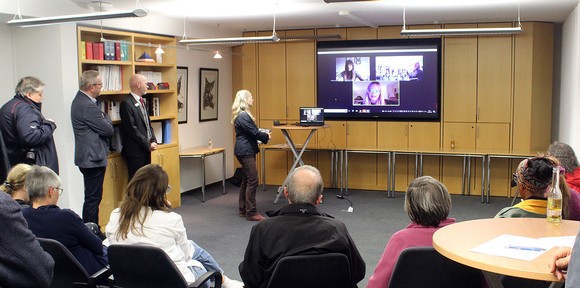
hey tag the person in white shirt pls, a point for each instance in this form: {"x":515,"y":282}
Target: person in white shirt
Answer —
{"x":145,"y":217}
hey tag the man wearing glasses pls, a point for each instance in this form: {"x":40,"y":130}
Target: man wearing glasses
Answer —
{"x":93,"y":131}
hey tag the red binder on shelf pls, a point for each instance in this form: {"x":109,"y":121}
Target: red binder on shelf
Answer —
{"x":117,"y":51}
{"x":89,"y":50}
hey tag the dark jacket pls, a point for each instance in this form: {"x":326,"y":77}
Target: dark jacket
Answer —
{"x":66,"y":227}
{"x":4,"y":162}
{"x":296,"y":229}
{"x":23,"y":262}
{"x":92,"y":132}
{"x":247,"y":136}
{"x":23,"y":127}
{"x":134,"y":129}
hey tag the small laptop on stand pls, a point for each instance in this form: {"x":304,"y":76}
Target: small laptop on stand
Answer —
{"x":311,"y":116}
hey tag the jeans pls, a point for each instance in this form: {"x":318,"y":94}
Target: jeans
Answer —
{"x":206,"y":260}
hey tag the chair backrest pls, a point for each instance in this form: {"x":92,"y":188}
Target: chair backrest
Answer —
{"x":425,"y":267}
{"x":143,"y":266}
{"x":311,"y":271}
{"x":67,"y":270}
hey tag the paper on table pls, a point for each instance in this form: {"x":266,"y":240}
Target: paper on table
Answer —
{"x":567,"y":241}
{"x":498,"y":247}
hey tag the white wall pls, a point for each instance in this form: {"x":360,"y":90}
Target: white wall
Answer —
{"x":195,"y":133}
{"x":568,"y":115}
{"x":49,"y":53}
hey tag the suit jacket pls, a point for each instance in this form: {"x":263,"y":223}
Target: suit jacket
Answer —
{"x":92,"y":132}
{"x":134,"y":129}
{"x":247,"y":136}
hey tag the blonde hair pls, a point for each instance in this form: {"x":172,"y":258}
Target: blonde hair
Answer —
{"x":15,"y":179}
{"x":241,"y":105}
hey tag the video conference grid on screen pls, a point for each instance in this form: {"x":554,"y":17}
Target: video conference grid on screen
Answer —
{"x":379,"y":79}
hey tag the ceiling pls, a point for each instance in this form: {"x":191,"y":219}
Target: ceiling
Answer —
{"x":250,"y":15}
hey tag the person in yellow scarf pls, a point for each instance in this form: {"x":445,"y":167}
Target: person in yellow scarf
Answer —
{"x":533,"y":178}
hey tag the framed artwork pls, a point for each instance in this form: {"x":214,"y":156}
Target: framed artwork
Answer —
{"x":208,"y":94}
{"x":182,"y":94}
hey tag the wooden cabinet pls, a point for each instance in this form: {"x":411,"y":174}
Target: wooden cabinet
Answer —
{"x":167,"y":156}
{"x":115,"y":73}
{"x":272,"y":80}
{"x":113,"y":187}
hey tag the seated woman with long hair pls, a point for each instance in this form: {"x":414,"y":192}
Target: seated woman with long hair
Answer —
{"x":145,"y":217}
{"x":14,"y":184}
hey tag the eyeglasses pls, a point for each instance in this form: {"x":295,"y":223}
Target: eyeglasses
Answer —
{"x":100,"y":84}
{"x":60,"y":190}
{"x":514,"y":180}
{"x":168,"y":189}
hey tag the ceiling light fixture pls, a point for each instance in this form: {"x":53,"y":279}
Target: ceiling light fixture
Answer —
{"x":310,"y":37}
{"x":217,"y":55}
{"x":460,"y":31}
{"x":29,"y":22}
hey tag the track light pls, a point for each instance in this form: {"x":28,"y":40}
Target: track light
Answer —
{"x":461,"y":31}
{"x":236,"y":40}
{"x":29,"y":22}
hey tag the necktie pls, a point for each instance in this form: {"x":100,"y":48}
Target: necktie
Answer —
{"x":145,"y":117}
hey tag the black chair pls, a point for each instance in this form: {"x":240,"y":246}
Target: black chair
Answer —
{"x":425,"y":267}
{"x":68,"y":272}
{"x":311,"y":271}
{"x":139,"y":266}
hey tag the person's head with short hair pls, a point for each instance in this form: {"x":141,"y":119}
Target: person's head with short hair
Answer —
{"x":565,"y":154}
{"x":43,"y":186}
{"x":242,"y":103}
{"x":15,"y":180}
{"x":427,"y":201}
{"x":138,"y":84}
{"x":91,"y":83}
{"x":304,"y":186}
{"x":148,"y":188}
{"x":31,"y":88}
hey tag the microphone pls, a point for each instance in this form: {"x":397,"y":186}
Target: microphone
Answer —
{"x":350,"y":209}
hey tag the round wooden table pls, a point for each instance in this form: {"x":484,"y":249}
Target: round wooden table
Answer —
{"x":455,"y":242}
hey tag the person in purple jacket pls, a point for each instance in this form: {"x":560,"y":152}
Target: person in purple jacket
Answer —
{"x":46,"y":220}
{"x":427,"y":203}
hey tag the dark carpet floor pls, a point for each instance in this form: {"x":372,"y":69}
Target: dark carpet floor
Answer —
{"x":216,"y":226}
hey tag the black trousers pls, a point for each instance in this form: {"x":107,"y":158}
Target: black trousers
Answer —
{"x":134,"y":163}
{"x":247,"y":198}
{"x":93,"y":178}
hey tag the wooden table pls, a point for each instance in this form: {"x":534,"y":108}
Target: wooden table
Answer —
{"x":297,"y":155}
{"x":201,"y":152}
{"x":455,"y":242}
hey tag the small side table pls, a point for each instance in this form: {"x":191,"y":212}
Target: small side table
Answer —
{"x":201,"y":152}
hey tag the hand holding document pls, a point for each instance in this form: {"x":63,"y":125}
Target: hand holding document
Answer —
{"x":523,"y":248}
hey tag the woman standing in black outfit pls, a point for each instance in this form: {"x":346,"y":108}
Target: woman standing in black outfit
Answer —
{"x":246,"y":148}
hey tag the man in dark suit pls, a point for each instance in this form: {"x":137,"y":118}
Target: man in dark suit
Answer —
{"x":93,"y":131}
{"x":137,"y":134}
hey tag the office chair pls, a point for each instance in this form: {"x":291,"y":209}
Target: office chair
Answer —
{"x":424,"y":267}
{"x":150,"y":267}
{"x":311,"y":271}
{"x":68,"y":272}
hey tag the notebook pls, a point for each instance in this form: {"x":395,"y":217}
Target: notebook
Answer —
{"x":311,"y":116}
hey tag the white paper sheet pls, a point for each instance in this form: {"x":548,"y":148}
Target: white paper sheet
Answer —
{"x":506,"y":246}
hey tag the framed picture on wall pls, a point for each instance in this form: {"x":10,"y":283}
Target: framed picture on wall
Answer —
{"x":208,"y":94}
{"x":182,"y":94}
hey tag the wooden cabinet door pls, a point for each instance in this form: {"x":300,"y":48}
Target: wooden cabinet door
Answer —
{"x":361,"y":134}
{"x":276,"y":161}
{"x":272,"y":80}
{"x":392,"y":135}
{"x":168,"y":158}
{"x":300,"y":69}
{"x":333,"y":137}
{"x":494,"y":136}
{"x":494,"y":77}
{"x":460,"y":79}
{"x":463,"y":137}
{"x":425,"y":136}
{"x":114,"y":185}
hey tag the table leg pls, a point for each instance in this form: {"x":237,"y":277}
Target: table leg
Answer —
{"x":297,"y":159}
{"x":263,"y":169}
{"x":488,"y":178}
{"x":332,"y":167}
{"x":202,"y":178}
{"x":468,"y":175}
{"x":342,"y":173}
{"x":224,"y":172}
{"x":389,"y":175}
{"x":483,"y":170}
{"x":393,"y":175}
{"x":493,"y":279}
{"x":463,"y":175}
{"x":346,"y":171}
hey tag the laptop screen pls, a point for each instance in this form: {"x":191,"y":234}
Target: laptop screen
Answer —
{"x":311,"y":116}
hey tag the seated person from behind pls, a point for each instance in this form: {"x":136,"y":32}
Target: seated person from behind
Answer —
{"x":427,"y":203}
{"x":534,"y":179}
{"x":14,"y":184}
{"x":46,"y":220}
{"x":297,"y":229}
{"x":145,"y":217}
{"x":565,"y":154}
